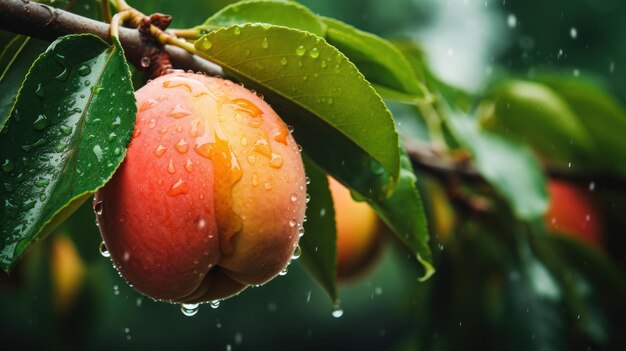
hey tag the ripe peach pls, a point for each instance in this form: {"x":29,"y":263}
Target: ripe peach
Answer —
{"x":210,"y":196}
{"x":359,"y":233}
{"x":572,"y":213}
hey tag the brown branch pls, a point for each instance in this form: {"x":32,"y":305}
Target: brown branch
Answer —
{"x":47,"y":23}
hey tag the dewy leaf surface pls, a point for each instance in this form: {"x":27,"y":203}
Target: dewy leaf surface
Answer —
{"x":16,"y":57}
{"x":279,"y":13}
{"x":66,"y":135}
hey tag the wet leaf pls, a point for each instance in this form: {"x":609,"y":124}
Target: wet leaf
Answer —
{"x":511,"y":168}
{"x":66,"y":135}
{"x":380,"y":62}
{"x":16,"y":56}
{"x":279,"y":13}
{"x":319,"y":243}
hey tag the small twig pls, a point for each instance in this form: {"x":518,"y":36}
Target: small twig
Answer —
{"x":116,"y":22}
{"x":106,"y":11}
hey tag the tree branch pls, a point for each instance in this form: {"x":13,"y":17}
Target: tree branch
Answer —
{"x":48,"y":23}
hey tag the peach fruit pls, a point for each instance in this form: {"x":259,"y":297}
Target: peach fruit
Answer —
{"x":359,"y":233}
{"x":211,"y":195}
{"x":572,"y":212}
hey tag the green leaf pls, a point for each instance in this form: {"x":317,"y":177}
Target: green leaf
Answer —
{"x":404,"y":213}
{"x":340,"y":121}
{"x":510,"y":167}
{"x":319,"y":243}
{"x":535,"y":114}
{"x":275,"y":12}
{"x":601,"y":115}
{"x":380,"y":62}
{"x":15,"y":60}
{"x":66,"y":135}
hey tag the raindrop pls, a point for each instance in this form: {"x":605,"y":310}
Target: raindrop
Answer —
{"x":98,"y":207}
{"x":160,"y":150}
{"x":301,"y":231}
{"x":182,"y":146}
{"x":7,"y":166}
{"x":117,"y":151}
{"x":215,"y":304}
{"x":512,"y":21}
{"x":573,"y":32}
{"x":592,"y":186}
{"x":41,"y":122}
{"x":307,"y":180}
{"x":84,"y":70}
{"x":189,"y":309}
{"x":39,"y":91}
{"x":292,"y":223}
{"x":104,"y":251}
{"x":116,"y":290}
{"x":283,"y":272}
{"x":314,"y":53}
{"x":294,"y":197}
{"x":237,"y":31}
{"x":290,"y":128}
{"x":63,"y":75}
{"x":97,"y":150}
{"x":66,"y":130}
{"x":337,"y":311}
{"x":297,"y":252}
{"x":308,"y":198}
{"x":87,"y":83}
{"x":283,"y":61}
{"x":42,"y":183}
{"x":265,"y":44}
{"x":145,"y":62}
{"x":206,"y":44}
{"x":300,"y":50}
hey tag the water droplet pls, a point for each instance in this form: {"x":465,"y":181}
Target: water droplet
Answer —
{"x":283,"y":272}
{"x":308,"y":198}
{"x":39,"y":91}
{"x":293,"y":222}
{"x":87,"y":83}
{"x":330,"y":101}
{"x":145,"y":62}
{"x":41,"y":122}
{"x":180,"y":187}
{"x":63,"y":75}
{"x":7,"y":166}
{"x":251,"y":159}
{"x":323,"y":63}
{"x":255,"y":179}
{"x":512,"y":21}
{"x":37,"y":144}
{"x":181,"y":146}
{"x":337,"y":311}
{"x":170,"y":167}
{"x":179,"y":112}
{"x":189,"y":309}
{"x":206,"y":44}
{"x":215,"y":304}
{"x":300,"y":50}
{"x":573,"y":32}
{"x":290,"y":128}
{"x":98,"y":207}
{"x":160,"y":150}
{"x":244,"y":140}
{"x":297,"y":252}
{"x":314,"y":53}
{"x":42,"y":183}
{"x":265,"y":44}
{"x":148,"y":104}
{"x":97,"y":150}
{"x":84,"y":70}
{"x":116,"y":290}
{"x":276,"y":161}
{"x":104,"y":251}
{"x":268,"y":185}
{"x":307,"y":180}
{"x":283,"y":61}
{"x":117,"y":151}
{"x":189,"y":166}
{"x":301,"y":231}
{"x":66,"y":130}
{"x":237,"y":31}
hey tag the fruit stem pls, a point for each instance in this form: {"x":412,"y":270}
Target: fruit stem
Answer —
{"x":186,"y":33}
{"x":117,"y":19}
{"x":433,"y":123}
{"x":106,"y":11}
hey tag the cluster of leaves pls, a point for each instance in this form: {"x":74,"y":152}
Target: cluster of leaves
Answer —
{"x":71,"y":116}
